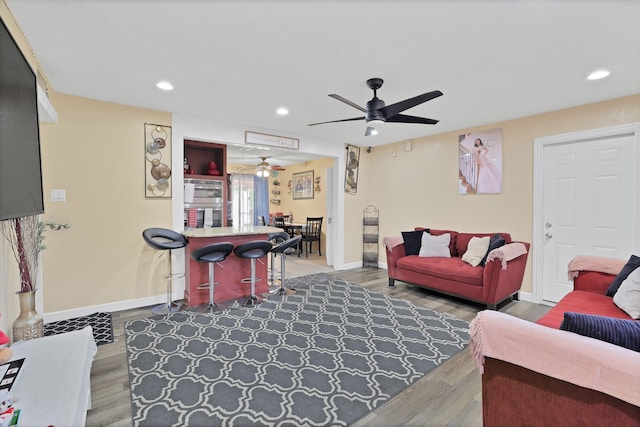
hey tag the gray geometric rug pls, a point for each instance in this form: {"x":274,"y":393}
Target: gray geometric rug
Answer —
{"x":325,"y":356}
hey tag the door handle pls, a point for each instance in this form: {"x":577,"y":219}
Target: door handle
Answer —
{"x":548,"y":235}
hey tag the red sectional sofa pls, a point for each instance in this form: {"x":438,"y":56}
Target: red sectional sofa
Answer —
{"x":535,"y":374}
{"x":489,"y":284}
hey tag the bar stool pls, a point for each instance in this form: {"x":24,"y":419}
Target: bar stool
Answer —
{"x":285,"y":248}
{"x":253,"y":250}
{"x":211,"y":254}
{"x":162,"y":239}
{"x":275,"y":239}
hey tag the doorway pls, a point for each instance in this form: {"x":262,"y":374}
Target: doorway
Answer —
{"x":586,"y":202}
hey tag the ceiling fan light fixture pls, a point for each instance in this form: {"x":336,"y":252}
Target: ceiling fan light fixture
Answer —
{"x":263,"y":169}
{"x":375,"y":123}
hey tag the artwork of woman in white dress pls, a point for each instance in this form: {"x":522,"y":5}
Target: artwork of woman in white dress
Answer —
{"x":480,"y":169}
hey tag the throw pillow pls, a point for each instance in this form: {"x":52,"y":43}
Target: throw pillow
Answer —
{"x":622,"y":332}
{"x":495,"y":242}
{"x":412,"y":241}
{"x":632,"y":264}
{"x":628,"y":295}
{"x":435,"y":246}
{"x":476,"y":250}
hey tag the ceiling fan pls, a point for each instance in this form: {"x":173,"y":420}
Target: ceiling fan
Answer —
{"x":377,"y":113}
{"x":264,"y":169}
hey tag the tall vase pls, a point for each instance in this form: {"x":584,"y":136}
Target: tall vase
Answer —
{"x":29,"y":324}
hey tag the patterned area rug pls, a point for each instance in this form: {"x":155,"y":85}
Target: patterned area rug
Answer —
{"x":325,"y":356}
{"x":100,"y":324}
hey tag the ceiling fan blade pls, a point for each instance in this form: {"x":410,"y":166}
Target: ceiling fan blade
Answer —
{"x":346,"y":101}
{"x":337,"y":121}
{"x":403,"y":118}
{"x":399,"y":107}
{"x":369,"y":131}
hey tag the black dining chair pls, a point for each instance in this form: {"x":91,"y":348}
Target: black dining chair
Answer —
{"x":311,"y":233}
{"x":278,"y":221}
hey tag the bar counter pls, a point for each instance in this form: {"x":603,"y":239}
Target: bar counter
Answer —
{"x":229,"y":272}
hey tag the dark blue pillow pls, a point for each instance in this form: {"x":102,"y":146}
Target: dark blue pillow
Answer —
{"x":413,"y":241}
{"x":622,"y":332}
{"x":495,"y":242}
{"x":632,"y":264}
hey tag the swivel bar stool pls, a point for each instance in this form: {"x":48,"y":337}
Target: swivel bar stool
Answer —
{"x":275,"y":239}
{"x":163,"y":239}
{"x":253,"y":250}
{"x":211,"y":254}
{"x":285,"y":248}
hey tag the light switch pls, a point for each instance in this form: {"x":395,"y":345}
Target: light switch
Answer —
{"x":58,"y":196}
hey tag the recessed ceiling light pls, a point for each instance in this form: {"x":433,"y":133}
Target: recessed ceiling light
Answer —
{"x":164,"y":86}
{"x":597,"y":75}
{"x":282,"y":111}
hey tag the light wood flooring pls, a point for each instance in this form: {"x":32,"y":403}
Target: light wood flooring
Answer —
{"x":450,"y":395}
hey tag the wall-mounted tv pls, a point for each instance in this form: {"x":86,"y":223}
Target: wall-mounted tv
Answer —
{"x":20,"y":165}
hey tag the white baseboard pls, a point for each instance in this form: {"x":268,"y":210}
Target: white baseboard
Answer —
{"x":110,"y":307}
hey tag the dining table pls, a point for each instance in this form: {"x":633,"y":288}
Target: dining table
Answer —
{"x":294,"y":228}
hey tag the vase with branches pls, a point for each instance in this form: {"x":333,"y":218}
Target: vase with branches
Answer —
{"x":25,"y":236}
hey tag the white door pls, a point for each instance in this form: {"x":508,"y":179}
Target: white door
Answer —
{"x":589,"y":205}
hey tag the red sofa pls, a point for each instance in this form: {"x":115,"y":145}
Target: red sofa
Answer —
{"x":489,"y":284}
{"x":535,"y":374}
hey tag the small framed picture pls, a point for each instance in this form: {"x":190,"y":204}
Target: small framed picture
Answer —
{"x":351,"y":171}
{"x":303,"y":185}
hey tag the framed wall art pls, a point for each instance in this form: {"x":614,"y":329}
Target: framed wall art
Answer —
{"x":480,"y":162}
{"x":303,"y":185}
{"x":157,"y":153}
{"x":351,"y":171}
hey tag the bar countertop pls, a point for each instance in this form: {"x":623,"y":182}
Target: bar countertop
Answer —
{"x":229,"y":231}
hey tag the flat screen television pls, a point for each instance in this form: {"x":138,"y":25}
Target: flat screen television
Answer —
{"x":20,"y":164}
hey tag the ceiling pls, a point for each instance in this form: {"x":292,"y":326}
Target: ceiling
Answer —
{"x":237,"y":61}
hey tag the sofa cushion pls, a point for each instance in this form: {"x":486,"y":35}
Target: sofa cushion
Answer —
{"x":452,"y":243}
{"x":495,"y":242}
{"x":444,"y":268}
{"x":632,"y":264}
{"x":462,"y":240}
{"x":476,"y":250}
{"x":435,"y":246}
{"x":622,"y":332}
{"x":581,"y":302}
{"x":412,"y":241}
{"x":628,"y":295}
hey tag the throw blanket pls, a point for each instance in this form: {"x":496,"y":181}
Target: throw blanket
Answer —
{"x":392,"y":241}
{"x":595,"y":263}
{"x":580,"y":360}
{"x":507,"y":253}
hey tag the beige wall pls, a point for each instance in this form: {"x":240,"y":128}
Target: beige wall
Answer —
{"x":420,"y":188}
{"x":96,"y":153}
{"x":306,"y":207}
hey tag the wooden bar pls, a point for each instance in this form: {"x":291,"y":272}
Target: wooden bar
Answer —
{"x":230,"y":271}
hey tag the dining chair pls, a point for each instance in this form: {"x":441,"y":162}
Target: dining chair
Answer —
{"x":278,"y":221}
{"x":311,"y":233}
{"x":261,"y":220}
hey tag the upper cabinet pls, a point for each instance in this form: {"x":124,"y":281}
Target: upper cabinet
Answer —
{"x":205,"y":160}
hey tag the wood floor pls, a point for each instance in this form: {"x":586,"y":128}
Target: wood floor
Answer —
{"x":450,"y":395}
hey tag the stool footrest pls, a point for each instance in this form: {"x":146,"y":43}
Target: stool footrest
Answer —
{"x":206,"y":285}
{"x":248,"y":280}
